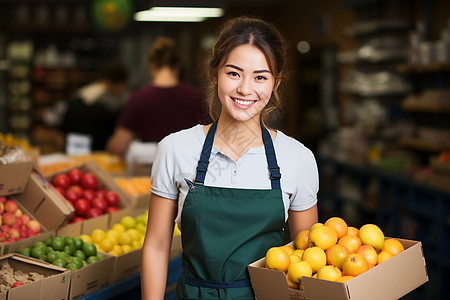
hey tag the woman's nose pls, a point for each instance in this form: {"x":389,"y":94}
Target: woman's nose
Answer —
{"x":244,"y":87}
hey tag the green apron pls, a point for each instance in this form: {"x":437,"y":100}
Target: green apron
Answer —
{"x":225,"y":229}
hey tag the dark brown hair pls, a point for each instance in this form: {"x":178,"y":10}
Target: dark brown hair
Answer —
{"x":248,"y":31}
{"x":164,"y":53}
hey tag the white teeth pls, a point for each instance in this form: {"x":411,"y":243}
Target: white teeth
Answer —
{"x":243,"y":102}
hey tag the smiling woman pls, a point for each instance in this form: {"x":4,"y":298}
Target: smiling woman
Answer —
{"x":235,"y":173}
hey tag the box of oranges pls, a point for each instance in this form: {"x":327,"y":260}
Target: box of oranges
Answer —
{"x":332,"y":260}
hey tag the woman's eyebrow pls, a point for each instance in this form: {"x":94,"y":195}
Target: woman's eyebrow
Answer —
{"x":240,"y":69}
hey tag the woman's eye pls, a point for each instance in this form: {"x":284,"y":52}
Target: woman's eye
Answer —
{"x":261,"y":77}
{"x":234,"y":74}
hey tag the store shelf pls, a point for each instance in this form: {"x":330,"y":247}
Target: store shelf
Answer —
{"x":418,"y":144}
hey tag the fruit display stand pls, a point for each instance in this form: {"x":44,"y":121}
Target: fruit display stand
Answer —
{"x":400,"y":205}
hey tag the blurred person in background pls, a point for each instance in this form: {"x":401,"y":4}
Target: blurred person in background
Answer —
{"x":167,"y":105}
{"x":95,"y":108}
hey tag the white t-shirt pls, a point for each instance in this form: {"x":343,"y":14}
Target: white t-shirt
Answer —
{"x":177,"y":156}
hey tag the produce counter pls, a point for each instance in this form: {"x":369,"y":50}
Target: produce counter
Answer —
{"x":130,"y":288}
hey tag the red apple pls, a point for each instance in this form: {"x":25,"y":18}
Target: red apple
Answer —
{"x":75,"y":176}
{"x":23,"y":232}
{"x":77,"y":219}
{"x":8,"y":218}
{"x":18,"y":212}
{"x":34,"y":226}
{"x":72,"y":195}
{"x":14,"y":233}
{"x":25,"y":218}
{"x":2,"y":199}
{"x":101,"y":193}
{"x":77,"y":188}
{"x":10,"y":206}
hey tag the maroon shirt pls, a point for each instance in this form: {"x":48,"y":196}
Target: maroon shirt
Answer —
{"x":152,"y":113}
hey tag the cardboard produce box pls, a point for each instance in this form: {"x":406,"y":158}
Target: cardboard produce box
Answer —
{"x":44,"y":203}
{"x":14,"y":177}
{"x":54,"y":285}
{"x":391,"y":279}
{"x":105,"y":181}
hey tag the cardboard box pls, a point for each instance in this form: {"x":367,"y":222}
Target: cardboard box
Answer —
{"x":44,"y":202}
{"x":14,"y":177}
{"x":392,"y":279}
{"x":55,"y":285}
{"x":15,"y":246}
{"x":92,"y":277}
{"x":105,"y":181}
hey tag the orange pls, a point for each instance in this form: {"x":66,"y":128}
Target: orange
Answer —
{"x":288,"y":249}
{"x":383,"y":256}
{"x":290,"y":283}
{"x":98,"y":235}
{"x":345,"y":278}
{"x":392,"y":246}
{"x":106,"y":244}
{"x":299,"y":269}
{"x":316,"y":257}
{"x":354,"y":264}
{"x":352,"y":231}
{"x":301,"y":240}
{"x":351,"y":242}
{"x":339,"y":225}
{"x":277,"y":259}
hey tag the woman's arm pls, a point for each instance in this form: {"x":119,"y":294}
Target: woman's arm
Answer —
{"x":156,"y":248}
{"x":301,"y":220}
{"x":120,"y":141}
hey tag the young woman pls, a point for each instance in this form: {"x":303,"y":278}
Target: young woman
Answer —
{"x":233,"y":184}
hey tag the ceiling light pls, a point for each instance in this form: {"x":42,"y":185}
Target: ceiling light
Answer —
{"x":185,"y":11}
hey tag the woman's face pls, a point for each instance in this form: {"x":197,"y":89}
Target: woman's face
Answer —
{"x":245,"y":83}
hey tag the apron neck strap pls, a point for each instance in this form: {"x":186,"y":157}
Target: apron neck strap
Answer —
{"x":203,"y":163}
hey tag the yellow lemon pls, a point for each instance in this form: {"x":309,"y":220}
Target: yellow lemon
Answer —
{"x":125,"y":238}
{"x":113,"y":236}
{"x":142,"y":228}
{"x":134,"y":233}
{"x":106,"y":244}
{"x":128,"y":222}
{"x":136,"y":245}
{"x":118,"y":227}
{"x":98,"y":235}
{"x":86,"y":238}
{"x":118,"y":249}
{"x":127,"y":248}
{"x":114,"y":252}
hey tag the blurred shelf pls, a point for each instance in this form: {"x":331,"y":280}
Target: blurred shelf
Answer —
{"x":423,"y":106}
{"x":430,"y":68}
{"x":418,"y":144}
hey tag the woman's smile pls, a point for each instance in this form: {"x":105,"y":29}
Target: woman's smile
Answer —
{"x":243,"y":103}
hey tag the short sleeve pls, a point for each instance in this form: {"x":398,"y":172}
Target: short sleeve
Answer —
{"x":163,"y":170}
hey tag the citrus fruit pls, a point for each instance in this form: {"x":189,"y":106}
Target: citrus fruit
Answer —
{"x":77,"y":242}
{"x":352,"y":231}
{"x":136,"y":235}
{"x":354,"y":264}
{"x":69,"y":241}
{"x":59,"y":262}
{"x":25,"y":251}
{"x":323,"y":237}
{"x":118,"y":227}
{"x":136,"y":244}
{"x":71,"y":266}
{"x":299,"y":269}
{"x":38,"y":252}
{"x":288,"y":249}
{"x":127,"y":248}
{"x":51,"y":256}
{"x":40,"y":244}
{"x":57,"y":243}
{"x":345,"y":278}
{"x":89,"y":249}
{"x":316,"y":257}
{"x":98,"y":235}
{"x":69,"y":249}
{"x":85,"y":238}
{"x":301,"y":240}
{"x":290,"y":283}
{"x":339,"y":225}
{"x":118,"y":249}
{"x":125,"y":238}
{"x":351,"y":242}
{"x":107,"y":244}
{"x":277,"y":259}
{"x":92,"y":259}
{"x":80,"y":254}
{"x":383,"y":256}
{"x":128,"y":222}
{"x":392,"y":246}
{"x":371,"y":234}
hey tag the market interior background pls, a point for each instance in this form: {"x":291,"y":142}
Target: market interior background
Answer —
{"x":368,"y":92}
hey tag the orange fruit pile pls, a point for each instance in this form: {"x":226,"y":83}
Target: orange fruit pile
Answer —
{"x":332,"y":251}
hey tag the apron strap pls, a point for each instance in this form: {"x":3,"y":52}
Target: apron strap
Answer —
{"x":217,"y":284}
{"x":203,"y":163}
{"x":274,"y":169}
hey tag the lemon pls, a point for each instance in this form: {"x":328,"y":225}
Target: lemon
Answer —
{"x":127,"y":248}
{"x":113,"y":235}
{"x":118,"y":227}
{"x":98,"y":235}
{"x":136,"y":245}
{"x":134,"y":233}
{"x":125,"y":238}
{"x":128,"y":222}
{"x":86,"y":238}
{"x":107,"y":244}
{"x":118,"y":249}
{"x":114,"y":252}
{"x":141,"y":228}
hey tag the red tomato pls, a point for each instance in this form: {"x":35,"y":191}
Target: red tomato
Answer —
{"x":111,"y":209}
{"x":111,"y":198}
{"x":81,"y":206}
{"x":100,"y":203}
{"x":89,"y":181}
{"x":17,"y":283}
{"x":89,"y":194}
{"x":72,"y":195}
{"x":101,"y":193}
{"x":77,"y":219}
{"x":75,"y":175}
{"x":93,"y":212}
{"x":61,"y":180}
